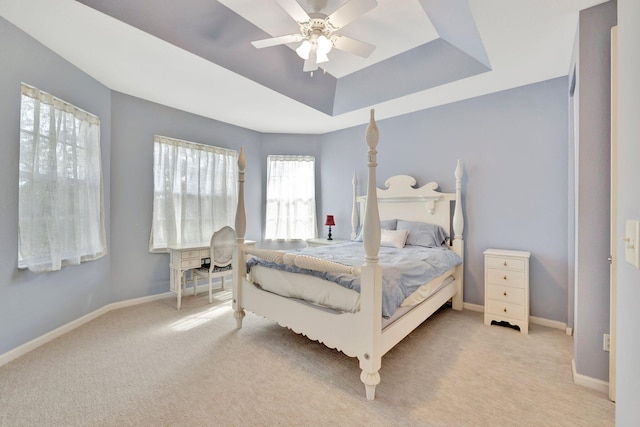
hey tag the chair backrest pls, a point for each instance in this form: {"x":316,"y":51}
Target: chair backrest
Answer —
{"x":222,"y":243}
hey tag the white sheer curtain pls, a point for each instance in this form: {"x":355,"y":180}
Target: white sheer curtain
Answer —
{"x":195,"y":192}
{"x":60,"y":212}
{"x":291,"y":198}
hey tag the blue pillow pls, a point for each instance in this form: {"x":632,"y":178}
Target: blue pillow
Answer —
{"x":387,"y":224}
{"x":423,"y":234}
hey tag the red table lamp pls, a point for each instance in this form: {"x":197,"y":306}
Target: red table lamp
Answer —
{"x":330,"y":222}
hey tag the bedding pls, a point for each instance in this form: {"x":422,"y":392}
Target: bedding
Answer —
{"x":330,"y":295}
{"x":386,"y":224}
{"x":305,"y":287}
{"x":424,"y":291}
{"x":403,"y":270}
{"x":423,"y":234}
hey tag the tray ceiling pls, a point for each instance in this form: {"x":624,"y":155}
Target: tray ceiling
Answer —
{"x":195,"y":55}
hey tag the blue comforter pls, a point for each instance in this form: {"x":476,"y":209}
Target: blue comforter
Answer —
{"x":403,"y":270}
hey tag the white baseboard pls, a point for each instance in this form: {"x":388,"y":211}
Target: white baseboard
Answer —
{"x":473,"y":307}
{"x":43,"y":339}
{"x":548,"y":323}
{"x":532,"y":319}
{"x":589,"y":382}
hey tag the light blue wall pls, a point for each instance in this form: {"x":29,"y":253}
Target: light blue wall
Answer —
{"x":592,"y":189}
{"x":514,"y":153}
{"x":628,"y":315}
{"x":34,"y":304}
{"x":136,"y":272}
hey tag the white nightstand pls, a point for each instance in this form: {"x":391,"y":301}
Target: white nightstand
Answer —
{"x":321,"y":241}
{"x":506,"y":287}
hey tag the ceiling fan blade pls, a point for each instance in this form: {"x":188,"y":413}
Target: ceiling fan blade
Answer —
{"x":274,"y":41}
{"x":310,"y":64}
{"x":350,"y":11}
{"x":353,"y":46}
{"x":294,"y":10}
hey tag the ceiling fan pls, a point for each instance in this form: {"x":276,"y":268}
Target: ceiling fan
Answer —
{"x":318,"y":31}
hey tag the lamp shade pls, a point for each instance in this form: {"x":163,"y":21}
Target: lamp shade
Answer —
{"x":304,"y":49}
{"x":321,"y":57}
{"x":324,"y":45}
{"x":330,"y":220}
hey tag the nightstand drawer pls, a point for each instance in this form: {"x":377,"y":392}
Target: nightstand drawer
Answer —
{"x":505,"y":294}
{"x":505,"y":309}
{"x":506,"y":277}
{"x":506,"y":263}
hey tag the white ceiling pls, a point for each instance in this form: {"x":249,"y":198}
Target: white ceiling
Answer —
{"x":527,"y":41}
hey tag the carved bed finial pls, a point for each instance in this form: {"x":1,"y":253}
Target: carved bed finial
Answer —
{"x":458,"y":220}
{"x":373,"y":135}
{"x":239,"y":264}
{"x":371,"y":230}
{"x":241,"y":216}
{"x":355,"y":219}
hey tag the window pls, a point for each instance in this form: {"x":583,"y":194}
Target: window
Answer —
{"x":291,"y":198}
{"x":60,"y":206}
{"x":195,"y":192}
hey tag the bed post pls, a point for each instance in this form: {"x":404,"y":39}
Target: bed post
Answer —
{"x":371,"y":276}
{"x":458,"y":242}
{"x":239,"y":265}
{"x":355,"y":220}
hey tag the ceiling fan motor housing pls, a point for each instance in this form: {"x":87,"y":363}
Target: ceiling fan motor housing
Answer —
{"x":317,"y":26}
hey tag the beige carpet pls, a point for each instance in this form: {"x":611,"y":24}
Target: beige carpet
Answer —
{"x":150,"y":365}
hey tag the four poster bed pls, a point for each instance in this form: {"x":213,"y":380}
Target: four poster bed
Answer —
{"x":367,"y":325}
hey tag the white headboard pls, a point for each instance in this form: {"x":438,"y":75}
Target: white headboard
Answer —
{"x":400,"y":199}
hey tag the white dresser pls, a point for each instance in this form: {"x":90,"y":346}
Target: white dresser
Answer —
{"x":506,"y":287}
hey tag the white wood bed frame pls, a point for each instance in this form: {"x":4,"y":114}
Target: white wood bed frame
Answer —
{"x":357,"y":334}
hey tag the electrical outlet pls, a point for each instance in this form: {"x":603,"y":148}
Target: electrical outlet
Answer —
{"x":606,"y":342}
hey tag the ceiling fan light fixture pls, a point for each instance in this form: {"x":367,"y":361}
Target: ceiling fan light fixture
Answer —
{"x":304,"y":49}
{"x":324,"y":45}
{"x":317,"y":30}
{"x":321,"y":57}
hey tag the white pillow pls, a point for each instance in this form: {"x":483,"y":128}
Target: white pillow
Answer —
{"x":393,"y":238}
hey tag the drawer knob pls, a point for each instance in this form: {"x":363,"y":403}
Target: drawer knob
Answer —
{"x":505,"y":293}
{"x":504,"y":309}
{"x":504,"y":263}
{"x":505,"y":277}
